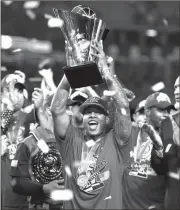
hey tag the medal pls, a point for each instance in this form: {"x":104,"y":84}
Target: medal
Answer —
{"x":82,"y":181}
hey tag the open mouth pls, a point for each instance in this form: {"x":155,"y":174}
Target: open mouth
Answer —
{"x":93,"y":124}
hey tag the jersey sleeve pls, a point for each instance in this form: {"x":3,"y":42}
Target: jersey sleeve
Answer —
{"x":19,"y":165}
{"x":21,"y":181}
{"x":72,"y":134}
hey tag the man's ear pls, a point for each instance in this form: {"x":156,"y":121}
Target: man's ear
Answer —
{"x":147,"y":112}
{"x":107,"y":120}
{"x":134,"y":117}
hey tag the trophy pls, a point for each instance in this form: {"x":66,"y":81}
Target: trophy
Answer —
{"x":46,"y":167}
{"x":80,"y":28}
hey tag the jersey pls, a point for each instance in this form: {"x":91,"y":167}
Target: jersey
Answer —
{"x":32,"y":163}
{"x":97,"y":184}
{"x":142,"y":187}
{"x":9,"y":199}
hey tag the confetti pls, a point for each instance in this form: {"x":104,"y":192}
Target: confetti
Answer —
{"x":68,"y":171}
{"x":109,"y":93}
{"x":62,"y":195}
{"x":43,"y":146}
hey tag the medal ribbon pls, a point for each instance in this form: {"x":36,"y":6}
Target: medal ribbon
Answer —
{"x":87,"y":157}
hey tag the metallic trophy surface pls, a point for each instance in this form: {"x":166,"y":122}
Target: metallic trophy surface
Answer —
{"x":80,"y":28}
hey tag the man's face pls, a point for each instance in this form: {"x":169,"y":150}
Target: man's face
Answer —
{"x":18,"y":95}
{"x":94,"y":121}
{"x":157,"y":116}
{"x":177,"y":91}
{"x":140,"y":117}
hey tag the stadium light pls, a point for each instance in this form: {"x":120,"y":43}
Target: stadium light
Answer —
{"x":6,"y":42}
{"x":31,"y":4}
{"x":158,"y":86}
{"x":55,"y":23}
{"x":151,"y":33}
{"x":7,"y":3}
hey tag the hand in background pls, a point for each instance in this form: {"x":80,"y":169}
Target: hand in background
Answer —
{"x":38,"y":98}
{"x":155,"y":137}
{"x":89,"y":91}
{"x":47,"y":74}
{"x":48,"y":82}
{"x":79,"y":92}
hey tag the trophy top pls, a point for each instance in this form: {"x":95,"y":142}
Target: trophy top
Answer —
{"x":84,"y":11}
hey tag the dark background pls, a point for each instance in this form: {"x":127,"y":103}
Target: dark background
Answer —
{"x":140,"y":60}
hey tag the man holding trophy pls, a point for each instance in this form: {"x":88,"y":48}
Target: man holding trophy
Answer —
{"x":93,"y":154}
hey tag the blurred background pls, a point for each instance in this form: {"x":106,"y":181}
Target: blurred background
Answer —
{"x":144,"y":41}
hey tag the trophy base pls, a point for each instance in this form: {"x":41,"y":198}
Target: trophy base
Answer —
{"x":83,"y":75}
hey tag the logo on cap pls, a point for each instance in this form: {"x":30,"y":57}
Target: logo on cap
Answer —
{"x":163,"y":98}
{"x":94,"y":100}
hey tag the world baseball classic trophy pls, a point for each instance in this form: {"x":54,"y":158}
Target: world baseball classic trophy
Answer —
{"x":80,"y":28}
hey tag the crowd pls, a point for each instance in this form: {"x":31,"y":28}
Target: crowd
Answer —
{"x":76,"y":149}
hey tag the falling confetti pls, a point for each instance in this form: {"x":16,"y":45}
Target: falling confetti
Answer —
{"x":62,"y":195}
{"x":68,"y":171}
{"x":109,"y":93}
{"x":165,"y":22}
{"x":43,"y":146}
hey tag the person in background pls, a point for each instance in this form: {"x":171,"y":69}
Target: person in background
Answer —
{"x":16,"y":114}
{"x":142,"y":187}
{"x":139,"y":116}
{"x":27,"y":177}
{"x":13,"y":127}
{"x":166,"y":152}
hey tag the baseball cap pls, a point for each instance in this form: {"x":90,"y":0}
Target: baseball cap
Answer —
{"x":140,"y":106}
{"x":9,"y":78}
{"x":159,"y":100}
{"x":94,"y":101}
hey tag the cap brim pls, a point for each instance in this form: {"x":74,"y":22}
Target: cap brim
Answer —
{"x":164,"y":106}
{"x":19,"y":86}
{"x":83,"y":107}
{"x":171,"y":107}
{"x":140,"y":109}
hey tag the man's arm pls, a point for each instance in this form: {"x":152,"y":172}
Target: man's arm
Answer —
{"x":21,"y":181}
{"x":122,"y":120}
{"x":158,"y":159}
{"x":58,"y":108}
{"x":158,"y":162}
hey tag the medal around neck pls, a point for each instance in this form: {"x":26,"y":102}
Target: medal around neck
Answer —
{"x":80,"y":28}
